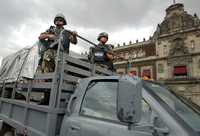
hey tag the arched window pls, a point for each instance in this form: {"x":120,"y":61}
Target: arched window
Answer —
{"x":165,"y":49}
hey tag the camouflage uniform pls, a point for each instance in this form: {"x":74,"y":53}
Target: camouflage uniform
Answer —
{"x":106,"y":48}
{"x":107,"y":63}
{"x":49,"y":54}
{"x":48,"y":62}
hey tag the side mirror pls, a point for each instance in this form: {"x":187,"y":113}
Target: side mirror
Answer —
{"x":129,"y":99}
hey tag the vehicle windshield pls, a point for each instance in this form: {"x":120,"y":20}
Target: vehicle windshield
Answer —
{"x":184,"y":111}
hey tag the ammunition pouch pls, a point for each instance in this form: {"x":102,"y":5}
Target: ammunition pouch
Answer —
{"x":98,"y":55}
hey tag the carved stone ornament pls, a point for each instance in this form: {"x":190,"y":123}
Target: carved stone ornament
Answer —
{"x":178,"y":61}
{"x":176,"y":21}
{"x":178,"y":48}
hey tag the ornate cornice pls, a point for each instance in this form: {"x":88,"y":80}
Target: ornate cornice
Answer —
{"x":156,"y":58}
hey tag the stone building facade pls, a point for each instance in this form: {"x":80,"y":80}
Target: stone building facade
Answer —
{"x":171,"y":55}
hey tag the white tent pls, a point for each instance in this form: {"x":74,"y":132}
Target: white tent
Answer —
{"x":22,"y":64}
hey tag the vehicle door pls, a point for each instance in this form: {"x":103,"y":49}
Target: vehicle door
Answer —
{"x":98,"y":113}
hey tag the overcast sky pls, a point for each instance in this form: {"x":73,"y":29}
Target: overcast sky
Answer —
{"x":23,"y":20}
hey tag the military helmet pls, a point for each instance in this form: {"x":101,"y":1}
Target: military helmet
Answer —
{"x":103,"y":34}
{"x":60,"y":15}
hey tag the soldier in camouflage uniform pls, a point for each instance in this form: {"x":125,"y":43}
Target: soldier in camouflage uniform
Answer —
{"x":108,"y":53}
{"x":47,"y":53}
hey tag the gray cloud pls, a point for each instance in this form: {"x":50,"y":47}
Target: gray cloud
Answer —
{"x":105,"y":14}
{"x":100,"y":15}
{"x":13,"y":13}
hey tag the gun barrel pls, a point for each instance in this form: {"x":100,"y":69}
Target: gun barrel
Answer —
{"x":84,"y":39}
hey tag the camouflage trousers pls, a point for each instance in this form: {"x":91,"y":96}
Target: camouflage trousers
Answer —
{"x":102,"y":65}
{"x":48,"y":62}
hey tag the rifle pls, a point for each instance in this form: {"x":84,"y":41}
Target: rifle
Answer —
{"x":84,"y":39}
